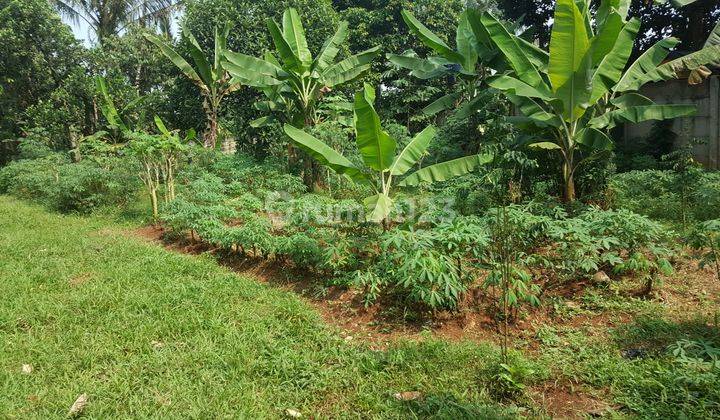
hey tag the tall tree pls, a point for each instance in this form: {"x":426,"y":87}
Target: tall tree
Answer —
{"x":110,"y":17}
{"x":40,"y":60}
{"x":249,"y":36}
{"x":380,"y":22}
{"x":294,"y":82}
{"x":211,"y":77}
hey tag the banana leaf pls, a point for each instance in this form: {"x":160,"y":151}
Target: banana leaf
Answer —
{"x":446,"y":170}
{"x":294,"y":34}
{"x":376,"y":147}
{"x":412,"y":153}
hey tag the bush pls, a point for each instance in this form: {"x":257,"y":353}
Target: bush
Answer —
{"x":70,"y":187}
{"x":427,"y":265}
{"x":667,"y":195}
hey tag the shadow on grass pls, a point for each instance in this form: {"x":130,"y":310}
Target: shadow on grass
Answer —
{"x":448,"y":407}
{"x":655,"y":334}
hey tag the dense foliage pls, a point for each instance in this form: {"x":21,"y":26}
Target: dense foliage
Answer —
{"x":393,"y":149}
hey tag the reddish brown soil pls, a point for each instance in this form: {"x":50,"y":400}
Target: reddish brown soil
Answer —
{"x":568,"y":401}
{"x":383,"y":322}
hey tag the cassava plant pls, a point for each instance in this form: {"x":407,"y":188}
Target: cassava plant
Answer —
{"x":295,"y":83}
{"x":706,"y":239}
{"x":211,"y":77}
{"x":586,"y":87}
{"x":158,"y":155}
{"x":382,"y":164}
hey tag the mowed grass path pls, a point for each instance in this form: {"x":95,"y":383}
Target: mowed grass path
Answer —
{"x":145,"y":332}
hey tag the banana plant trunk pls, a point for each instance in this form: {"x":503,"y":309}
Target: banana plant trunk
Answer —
{"x":311,"y":170}
{"x":211,"y":133}
{"x":568,"y":181}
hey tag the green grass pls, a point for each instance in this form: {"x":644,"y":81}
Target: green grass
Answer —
{"x":145,"y":332}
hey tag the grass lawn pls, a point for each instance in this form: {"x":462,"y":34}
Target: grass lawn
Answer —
{"x":147,"y":332}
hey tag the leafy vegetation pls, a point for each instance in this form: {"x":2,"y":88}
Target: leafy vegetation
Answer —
{"x":409,"y":201}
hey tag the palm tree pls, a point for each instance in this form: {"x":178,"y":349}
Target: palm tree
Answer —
{"x":109,"y":17}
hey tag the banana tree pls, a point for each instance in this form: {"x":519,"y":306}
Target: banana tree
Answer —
{"x":474,"y":58}
{"x":586,"y":88}
{"x":382,"y":164}
{"x":211,"y":77}
{"x":294,"y":84}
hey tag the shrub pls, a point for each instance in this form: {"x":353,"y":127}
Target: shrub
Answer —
{"x":70,"y":187}
{"x":667,"y":194}
{"x":706,"y":239}
{"x":427,"y":265}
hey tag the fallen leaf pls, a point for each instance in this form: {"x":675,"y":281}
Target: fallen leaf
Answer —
{"x":27,"y":369}
{"x":407,"y":395}
{"x":78,"y":405}
{"x":293,"y":413}
{"x":157,"y":345}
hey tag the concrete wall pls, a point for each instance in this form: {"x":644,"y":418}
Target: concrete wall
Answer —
{"x":704,"y":125}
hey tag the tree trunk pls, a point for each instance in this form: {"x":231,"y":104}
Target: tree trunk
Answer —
{"x":211,"y":110}
{"x":154,"y":202}
{"x":212,"y":131}
{"x":74,"y":145}
{"x":569,"y":181}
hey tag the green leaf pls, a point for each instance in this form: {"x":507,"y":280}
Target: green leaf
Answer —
{"x":430,"y":39}
{"x":676,"y":3}
{"x":442,"y":104}
{"x":379,"y":207}
{"x":350,"y":68}
{"x":253,"y":71}
{"x":294,"y":34}
{"x":472,"y":106}
{"x":510,"y":47}
{"x":537,"y":56}
{"x":412,"y":153}
{"x":547,"y":145}
{"x":647,"y":62}
{"x":570,"y":59}
{"x":688,"y":63}
{"x":176,"y":59}
{"x":631,"y":99}
{"x":594,"y":139}
{"x":198,"y":56}
{"x":534,"y":112}
{"x":324,"y":154}
{"x":637,"y":114}
{"x":467,"y":44}
{"x":714,"y":38}
{"x":220,"y":48}
{"x":108,"y":107}
{"x":612,"y":65}
{"x":262,"y":121}
{"x":516,"y":87}
{"x":161,"y":125}
{"x":376,"y":146}
{"x":607,"y":7}
{"x":331,"y":48}
{"x":446,"y":170}
{"x":291,"y":61}
{"x":604,"y":41}
{"x":419,"y":67}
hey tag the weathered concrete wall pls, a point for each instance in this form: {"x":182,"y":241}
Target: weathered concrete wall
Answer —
{"x":704,"y":125}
